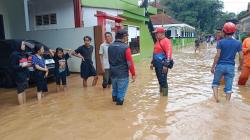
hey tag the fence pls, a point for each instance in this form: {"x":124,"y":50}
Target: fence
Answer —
{"x":182,"y":42}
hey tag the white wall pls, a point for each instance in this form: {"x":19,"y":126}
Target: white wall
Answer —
{"x":65,"y":38}
{"x":64,"y":10}
{"x":89,"y":18}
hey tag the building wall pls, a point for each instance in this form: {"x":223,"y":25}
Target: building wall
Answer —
{"x":128,"y":5}
{"x":245,"y":24}
{"x":64,"y":10}
{"x":64,"y":38}
{"x":89,"y":18}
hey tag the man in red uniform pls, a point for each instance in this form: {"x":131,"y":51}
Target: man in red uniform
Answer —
{"x":245,"y":73}
{"x":162,"y":59}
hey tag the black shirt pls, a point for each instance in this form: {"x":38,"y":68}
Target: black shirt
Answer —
{"x":86,"y":52}
{"x":17,"y":59}
{"x":61,"y":63}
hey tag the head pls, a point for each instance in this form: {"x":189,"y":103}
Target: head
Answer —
{"x":108,"y":37}
{"x":159,"y":33}
{"x":87,"y":40}
{"x":122,"y":35}
{"x":20,"y":46}
{"x":39,"y":49}
{"x":59,"y":52}
{"x":23,"y":47}
{"x":229,"y":28}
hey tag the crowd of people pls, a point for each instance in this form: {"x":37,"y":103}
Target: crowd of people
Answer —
{"x":117,"y":62}
{"x":115,"y":57}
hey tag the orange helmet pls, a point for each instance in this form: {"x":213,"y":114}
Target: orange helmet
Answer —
{"x":229,"y":27}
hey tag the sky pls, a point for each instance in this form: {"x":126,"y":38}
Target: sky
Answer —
{"x":235,"y":6}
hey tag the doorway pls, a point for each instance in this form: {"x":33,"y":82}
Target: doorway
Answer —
{"x":2,"y":34}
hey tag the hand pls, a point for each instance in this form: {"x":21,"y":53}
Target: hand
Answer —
{"x":26,"y":65}
{"x":165,"y":70}
{"x":239,"y":68}
{"x":133,"y":78}
{"x":46,"y":74}
{"x":212,"y":70}
{"x":248,"y":49}
{"x":29,"y":65}
{"x":103,"y":71}
{"x":151,"y":66}
{"x":46,"y":70}
{"x":83,"y":59}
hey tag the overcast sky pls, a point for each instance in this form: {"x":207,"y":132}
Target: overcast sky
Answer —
{"x":235,"y":6}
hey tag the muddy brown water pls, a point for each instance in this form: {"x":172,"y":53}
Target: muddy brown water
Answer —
{"x":189,"y":113}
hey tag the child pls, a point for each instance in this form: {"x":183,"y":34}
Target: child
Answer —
{"x":41,"y":71}
{"x":19,"y":64}
{"x":61,"y":67}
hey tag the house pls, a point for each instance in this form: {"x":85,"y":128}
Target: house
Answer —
{"x":244,"y":25}
{"x":63,"y":23}
{"x":173,"y":27}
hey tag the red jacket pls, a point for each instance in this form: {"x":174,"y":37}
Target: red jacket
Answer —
{"x":163,"y":46}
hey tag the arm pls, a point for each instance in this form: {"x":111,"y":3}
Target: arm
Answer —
{"x":130,"y":61}
{"x":246,"y":47}
{"x":101,"y":56}
{"x":40,"y":68}
{"x":240,"y":60}
{"x":216,"y":59}
{"x":52,"y":52}
{"x":77,"y":55}
{"x":14,"y":63}
{"x":167,"y":48}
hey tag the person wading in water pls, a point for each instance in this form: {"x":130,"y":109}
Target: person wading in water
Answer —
{"x":162,"y":59}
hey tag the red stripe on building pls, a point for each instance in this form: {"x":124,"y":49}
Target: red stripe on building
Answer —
{"x":78,"y":13}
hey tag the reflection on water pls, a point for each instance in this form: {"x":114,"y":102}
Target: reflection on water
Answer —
{"x":188,"y":113}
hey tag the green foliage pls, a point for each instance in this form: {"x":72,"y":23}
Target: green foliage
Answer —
{"x":242,"y":14}
{"x":205,"y":15}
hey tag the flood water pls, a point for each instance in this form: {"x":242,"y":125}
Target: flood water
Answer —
{"x":189,"y":113}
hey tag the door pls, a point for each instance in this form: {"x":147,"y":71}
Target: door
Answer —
{"x":2,"y":34}
{"x":98,"y":33}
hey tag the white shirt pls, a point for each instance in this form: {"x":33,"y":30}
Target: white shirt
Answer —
{"x":104,"y":52}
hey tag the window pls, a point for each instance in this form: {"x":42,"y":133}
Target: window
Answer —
{"x":48,"y":19}
{"x":133,"y":38}
{"x":45,"y":19}
{"x":39,"y":20}
{"x":53,"y":19}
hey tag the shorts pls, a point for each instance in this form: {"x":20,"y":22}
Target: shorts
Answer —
{"x":41,"y":81}
{"x":87,"y":69}
{"x":228,"y":72}
{"x":61,"y":78}
{"x":21,"y":86}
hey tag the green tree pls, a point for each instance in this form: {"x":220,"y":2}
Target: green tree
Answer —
{"x":242,"y":14}
{"x":205,"y":15}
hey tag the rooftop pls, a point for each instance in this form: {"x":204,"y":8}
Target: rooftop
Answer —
{"x":162,"y":18}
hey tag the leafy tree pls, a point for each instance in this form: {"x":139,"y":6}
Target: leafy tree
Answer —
{"x":205,"y":15}
{"x":242,"y":14}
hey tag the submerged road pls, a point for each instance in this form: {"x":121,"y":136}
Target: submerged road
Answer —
{"x":89,"y":114}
